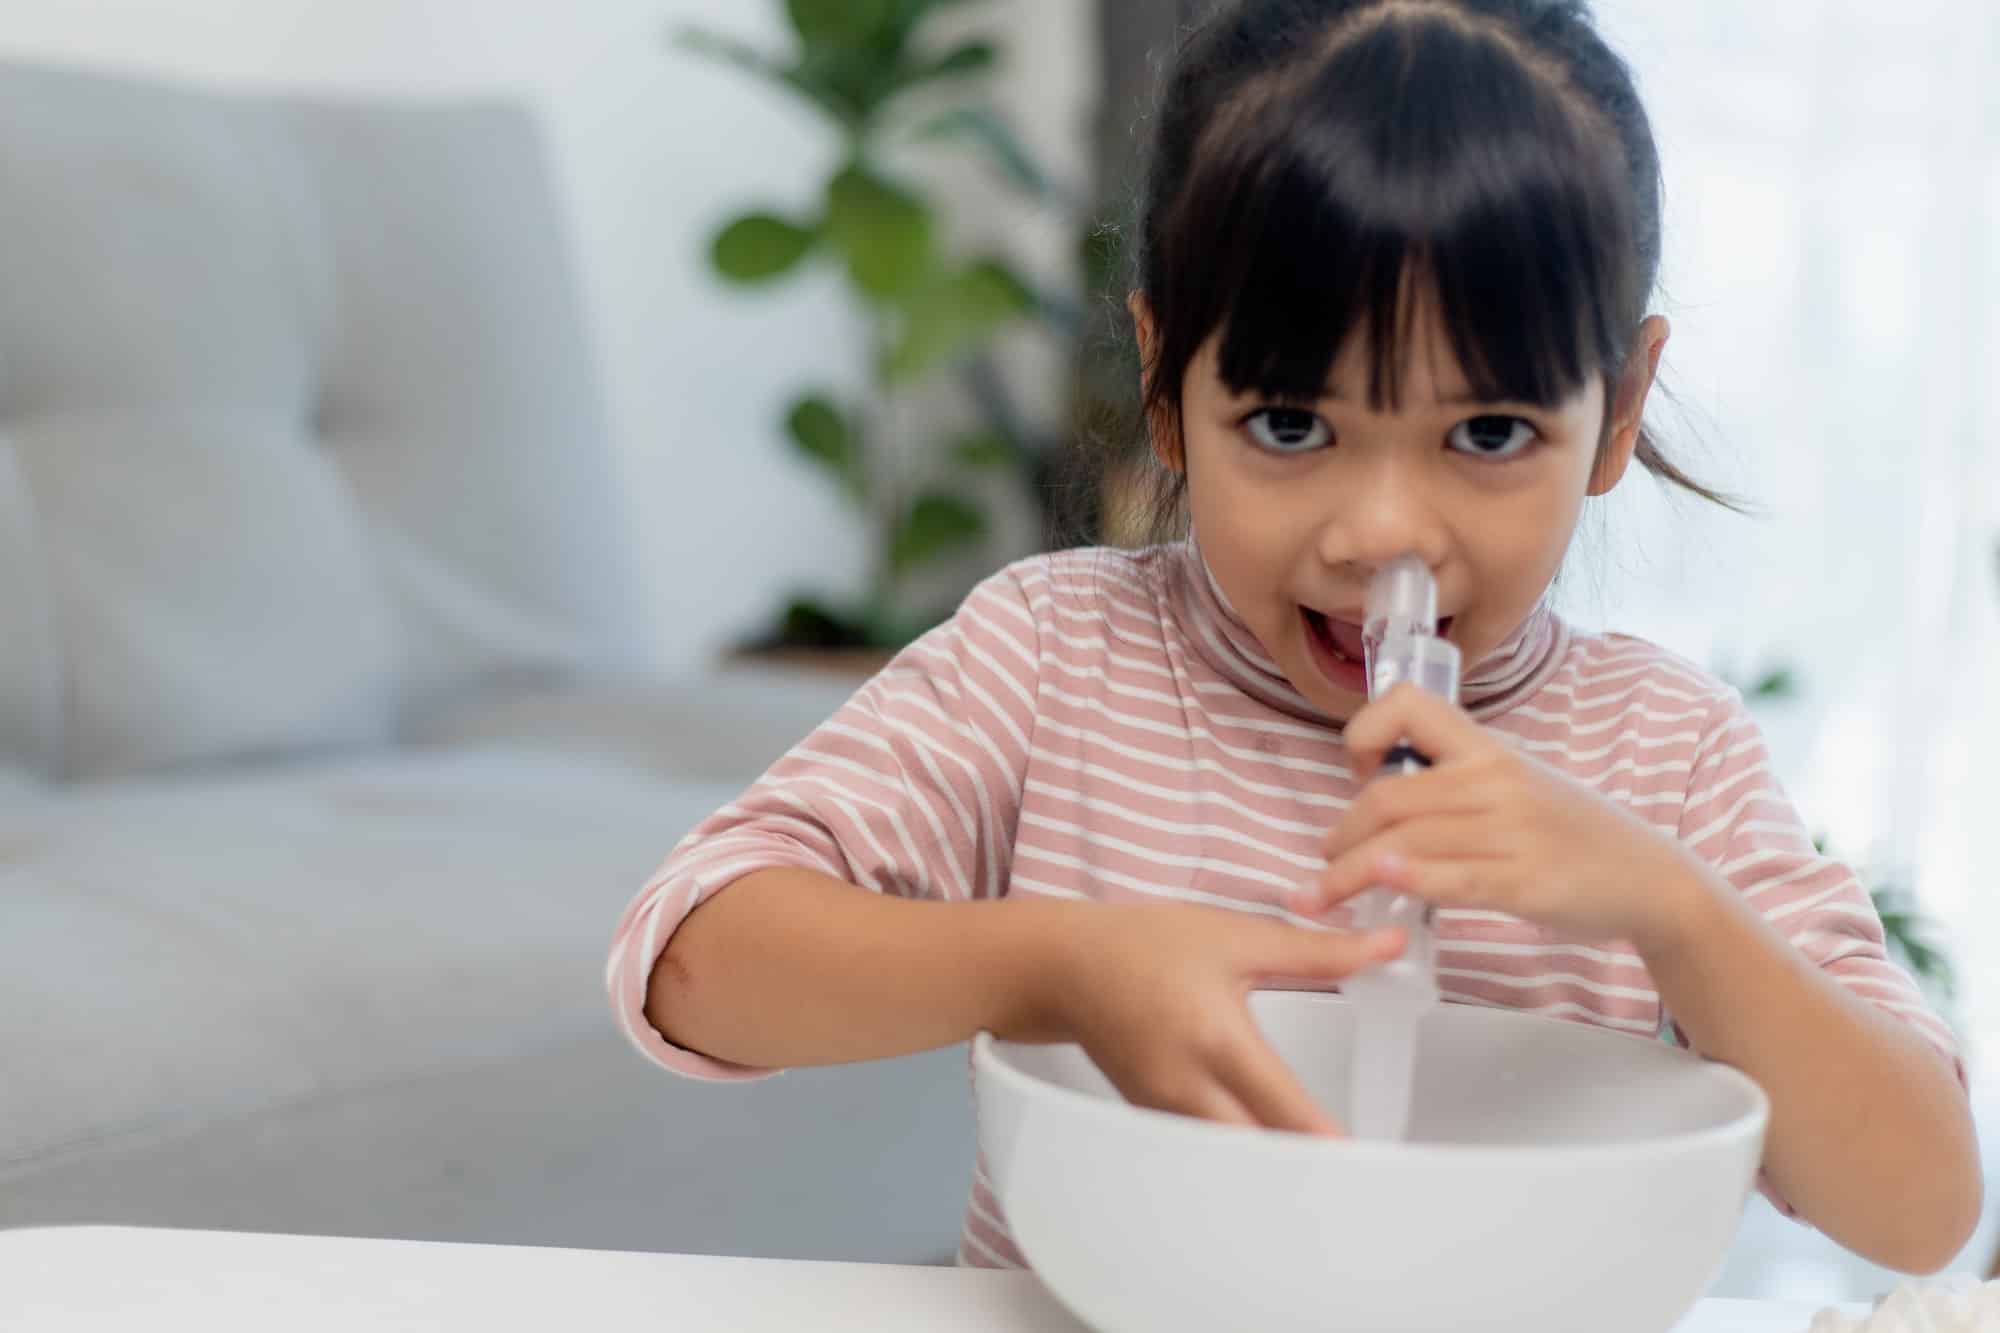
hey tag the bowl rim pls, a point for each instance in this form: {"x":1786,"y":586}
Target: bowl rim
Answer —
{"x":1290,"y":1146}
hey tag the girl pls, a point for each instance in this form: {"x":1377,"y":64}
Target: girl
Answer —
{"x":1395,"y":262}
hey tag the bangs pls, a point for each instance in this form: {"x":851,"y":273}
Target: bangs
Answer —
{"x":1422,"y":160}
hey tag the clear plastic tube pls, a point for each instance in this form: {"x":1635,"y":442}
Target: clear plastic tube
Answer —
{"x":1400,"y":636}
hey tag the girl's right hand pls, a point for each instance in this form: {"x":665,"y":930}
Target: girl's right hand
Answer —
{"x":1157,"y":994}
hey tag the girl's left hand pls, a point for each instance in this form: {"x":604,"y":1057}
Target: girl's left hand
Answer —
{"x":1490,"y":828}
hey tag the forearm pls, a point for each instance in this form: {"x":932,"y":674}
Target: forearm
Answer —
{"x":1870,"y":1136}
{"x":789,"y":967}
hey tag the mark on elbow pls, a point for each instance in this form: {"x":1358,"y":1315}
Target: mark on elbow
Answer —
{"x":670,"y":979}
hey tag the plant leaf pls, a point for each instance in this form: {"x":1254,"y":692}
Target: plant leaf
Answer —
{"x":850,"y":23}
{"x":954,"y":316}
{"x":731,"y":51}
{"x":935,"y":523}
{"x":968,"y":58}
{"x":905,"y":17}
{"x":984,"y":126}
{"x":883,"y":230}
{"x":759,"y":247}
{"x":913,"y":11}
{"x":823,"y":433}
{"x":984,"y":449}
{"x":1907,"y":931}
{"x":798,"y":78}
{"x":1777,"y":683}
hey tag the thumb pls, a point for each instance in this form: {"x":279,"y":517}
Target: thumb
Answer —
{"x":1319,"y":955}
{"x":1436,"y":729}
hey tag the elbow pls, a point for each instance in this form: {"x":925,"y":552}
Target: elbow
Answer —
{"x":1946,"y":1200}
{"x":666,"y":992}
{"x":1935,"y":1237}
{"x":1965,"y":1221}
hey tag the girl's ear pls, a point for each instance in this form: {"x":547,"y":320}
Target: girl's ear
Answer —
{"x":1628,"y":407}
{"x":1161,"y":430}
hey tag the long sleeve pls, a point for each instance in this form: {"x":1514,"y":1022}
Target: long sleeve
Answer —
{"x":912,"y":788}
{"x":1738,"y":818}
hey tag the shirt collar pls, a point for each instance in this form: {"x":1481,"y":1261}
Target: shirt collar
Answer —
{"x":1497,"y":682}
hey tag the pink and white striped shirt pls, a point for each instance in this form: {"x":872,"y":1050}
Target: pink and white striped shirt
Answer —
{"x":1101,"y":724}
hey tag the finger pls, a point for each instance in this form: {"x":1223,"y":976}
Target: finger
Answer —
{"x":1443,"y":882}
{"x":1204,"y":1098}
{"x":1274,"y":949}
{"x":1391,"y":860}
{"x":1437,"y":728}
{"x":1265,"y":1086}
{"x":1391,"y":800}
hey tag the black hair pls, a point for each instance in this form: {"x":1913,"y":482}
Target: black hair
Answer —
{"x":1323,"y":166}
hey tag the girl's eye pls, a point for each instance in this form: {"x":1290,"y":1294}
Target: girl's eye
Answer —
{"x":1492,"y":437}
{"x":1287,"y":430}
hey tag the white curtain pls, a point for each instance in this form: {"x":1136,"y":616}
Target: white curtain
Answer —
{"x":1833,"y":273}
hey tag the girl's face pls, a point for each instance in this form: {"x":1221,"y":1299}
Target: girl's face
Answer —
{"x":1296,"y":504}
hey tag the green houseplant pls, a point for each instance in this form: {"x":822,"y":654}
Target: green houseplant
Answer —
{"x":875,"y":69}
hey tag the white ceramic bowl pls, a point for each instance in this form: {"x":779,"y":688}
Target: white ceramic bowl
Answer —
{"x":1556,"y":1177}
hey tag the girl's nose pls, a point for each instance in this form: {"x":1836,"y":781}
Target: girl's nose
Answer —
{"x":1379,"y":513}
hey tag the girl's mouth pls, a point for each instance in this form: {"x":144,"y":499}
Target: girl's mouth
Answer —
{"x":1337,"y":649}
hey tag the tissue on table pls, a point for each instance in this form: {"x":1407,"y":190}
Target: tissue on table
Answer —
{"x":1956,"y":1304}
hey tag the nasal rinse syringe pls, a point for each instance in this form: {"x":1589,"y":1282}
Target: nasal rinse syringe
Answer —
{"x":1402,"y":644}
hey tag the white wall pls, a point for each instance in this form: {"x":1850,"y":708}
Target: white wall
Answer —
{"x":654,"y":148}
{"x":1833,"y":270}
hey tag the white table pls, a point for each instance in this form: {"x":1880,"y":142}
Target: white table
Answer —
{"x":106,"y":1279}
